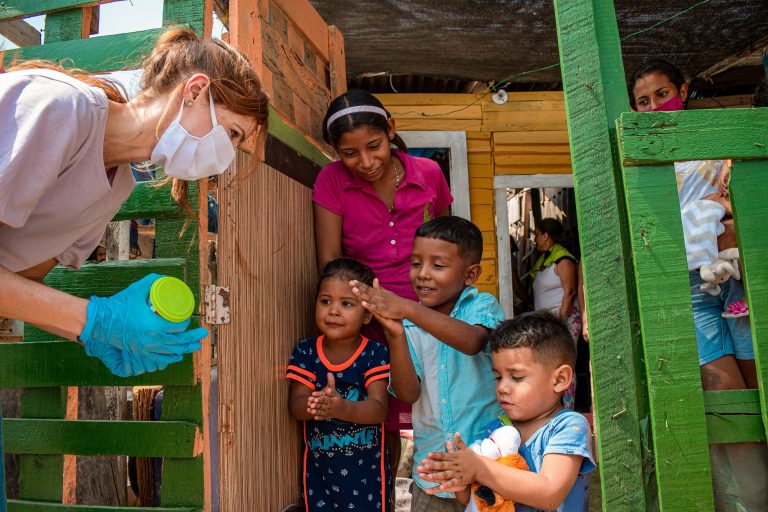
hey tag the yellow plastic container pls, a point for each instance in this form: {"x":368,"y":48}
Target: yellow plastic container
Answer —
{"x":172,"y":299}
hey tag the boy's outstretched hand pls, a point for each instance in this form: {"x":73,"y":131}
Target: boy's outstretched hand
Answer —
{"x":326,"y":403}
{"x":380,"y":302}
{"x":453,"y":470}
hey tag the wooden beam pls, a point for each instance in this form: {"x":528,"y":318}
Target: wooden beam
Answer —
{"x":53,"y":363}
{"x":749,"y":188}
{"x":15,"y":9}
{"x":337,"y":67}
{"x":595,"y":94}
{"x":20,"y":33}
{"x":99,"y":54}
{"x":101,"y":437}
{"x":759,"y":46}
{"x":308,"y":21}
{"x":677,"y":421}
{"x":654,"y":137}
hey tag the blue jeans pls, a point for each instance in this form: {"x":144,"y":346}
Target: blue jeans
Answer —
{"x":717,"y":336}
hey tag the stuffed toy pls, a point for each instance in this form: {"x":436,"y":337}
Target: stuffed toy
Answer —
{"x":502,"y":446}
{"x":726,"y":266}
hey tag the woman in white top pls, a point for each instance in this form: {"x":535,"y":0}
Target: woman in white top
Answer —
{"x":67,"y":143}
{"x":555,"y":283}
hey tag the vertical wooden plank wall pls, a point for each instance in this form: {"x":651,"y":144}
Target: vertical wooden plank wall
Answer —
{"x":267,"y":258}
{"x":595,"y":95}
{"x":526,"y":135}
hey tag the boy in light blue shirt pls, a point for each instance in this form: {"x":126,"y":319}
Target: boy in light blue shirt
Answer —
{"x":533,"y":359}
{"x":439,"y":356}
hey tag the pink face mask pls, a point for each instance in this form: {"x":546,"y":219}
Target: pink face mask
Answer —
{"x":674,"y":104}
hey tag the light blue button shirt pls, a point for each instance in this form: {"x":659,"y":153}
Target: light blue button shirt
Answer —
{"x":458,"y":392}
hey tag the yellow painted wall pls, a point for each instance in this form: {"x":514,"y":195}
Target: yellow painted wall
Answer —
{"x":526,"y":135}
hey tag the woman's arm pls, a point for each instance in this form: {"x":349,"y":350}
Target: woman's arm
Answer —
{"x":327,"y":235}
{"x":51,"y":310}
{"x":566,"y":270}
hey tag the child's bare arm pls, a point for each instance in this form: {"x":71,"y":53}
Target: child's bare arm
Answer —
{"x":328,"y":403}
{"x":297,"y":401}
{"x":402,"y":374}
{"x":545,"y":490}
{"x":464,"y":337}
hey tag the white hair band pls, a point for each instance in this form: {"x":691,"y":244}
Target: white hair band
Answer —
{"x":353,"y":110}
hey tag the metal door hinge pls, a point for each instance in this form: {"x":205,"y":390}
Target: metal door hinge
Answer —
{"x":216,"y":303}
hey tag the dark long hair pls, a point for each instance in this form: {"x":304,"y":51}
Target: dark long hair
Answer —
{"x":356,"y":98}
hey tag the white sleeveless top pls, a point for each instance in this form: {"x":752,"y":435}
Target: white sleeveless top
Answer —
{"x":548,"y":290}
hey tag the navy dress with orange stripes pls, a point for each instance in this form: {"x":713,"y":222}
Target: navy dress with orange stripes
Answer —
{"x":345,"y":464}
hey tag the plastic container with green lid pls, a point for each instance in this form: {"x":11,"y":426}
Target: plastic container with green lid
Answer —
{"x":172,"y":299}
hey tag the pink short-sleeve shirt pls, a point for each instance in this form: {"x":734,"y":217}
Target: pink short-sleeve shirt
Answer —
{"x":381,"y":239}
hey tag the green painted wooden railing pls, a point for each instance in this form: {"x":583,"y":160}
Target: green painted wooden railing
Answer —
{"x":685,"y":419}
{"x":42,"y":366}
{"x":648,"y":383}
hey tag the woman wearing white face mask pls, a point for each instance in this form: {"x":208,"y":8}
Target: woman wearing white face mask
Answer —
{"x":65,"y":151}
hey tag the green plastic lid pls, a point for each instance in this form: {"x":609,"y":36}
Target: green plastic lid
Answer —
{"x":172,"y":299}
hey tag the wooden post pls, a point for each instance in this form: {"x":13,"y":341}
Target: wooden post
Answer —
{"x":336,"y":62}
{"x":749,"y":186}
{"x":595,"y":94}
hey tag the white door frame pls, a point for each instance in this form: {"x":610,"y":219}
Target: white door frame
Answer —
{"x":501,"y":183}
{"x":456,"y":141}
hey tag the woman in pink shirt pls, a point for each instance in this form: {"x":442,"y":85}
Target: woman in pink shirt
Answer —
{"x":369,"y":203}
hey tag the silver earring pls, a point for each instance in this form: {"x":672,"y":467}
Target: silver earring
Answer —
{"x":188,"y":102}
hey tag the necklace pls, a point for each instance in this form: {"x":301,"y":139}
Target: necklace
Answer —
{"x":397,"y":183}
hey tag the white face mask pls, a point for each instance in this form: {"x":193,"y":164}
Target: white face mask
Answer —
{"x":191,"y":158}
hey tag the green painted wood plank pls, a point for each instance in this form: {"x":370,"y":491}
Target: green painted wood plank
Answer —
{"x":2,"y":464}
{"x":189,"y":12}
{"x":289,"y":135}
{"x":654,"y":137}
{"x":45,"y":364}
{"x":30,"y":506}
{"x":735,"y":401}
{"x":183,"y":481}
{"x":107,"y":278}
{"x":14,"y":9}
{"x":595,"y":95}
{"x":735,"y":428}
{"x":749,"y":189}
{"x":63,"y":26}
{"x":41,"y":476}
{"x":149,"y":201}
{"x":110,"y":277}
{"x":96,"y":54}
{"x":168,"y":243}
{"x":681,"y":446}
{"x":100,"y":437}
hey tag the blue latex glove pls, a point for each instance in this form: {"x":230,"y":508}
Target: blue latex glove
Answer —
{"x":130,"y":338}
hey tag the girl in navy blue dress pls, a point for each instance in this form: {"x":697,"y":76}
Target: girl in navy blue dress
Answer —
{"x":339,"y":391}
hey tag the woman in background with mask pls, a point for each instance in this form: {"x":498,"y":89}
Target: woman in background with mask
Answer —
{"x":66,"y":147}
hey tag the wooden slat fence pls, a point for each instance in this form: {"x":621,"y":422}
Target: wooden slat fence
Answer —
{"x":44,"y":367}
